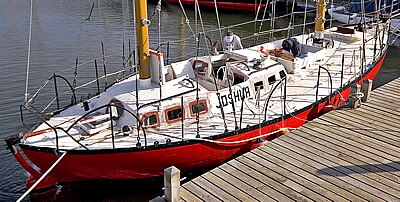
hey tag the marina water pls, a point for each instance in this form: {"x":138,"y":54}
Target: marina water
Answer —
{"x":62,"y":31}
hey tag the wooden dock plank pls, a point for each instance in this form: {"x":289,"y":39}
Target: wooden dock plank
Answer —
{"x":372,"y":129}
{"x":353,"y":139}
{"x":389,"y":182}
{"x":391,"y":111}
{"x":383,"y":163}
{"x":234,"y":180}
{"x":256,"y":183}
{"x":384,"y":112}
{"x":339,"y":171}
{"x":228,"y":188}
{"x":360,"y":149}
{"x":269,"y":181}
{"x":384,"y":103}
{"x":304,"y":170}
{"x":312,"y":166}
{"x":213,"y":189}
{"x":389,"y":89}
{"x":347,"y":152}
{"x":282,"y":178}
{"x":393,"y":85}
{"x":384,"y":134}
{"x":386,"y":96}
{"x":199,"y":192}
{"x":186,"y":195}
{"x":322,"y":193}
{"x":383,"y":97}
{"x":369,"y":136}
{"x":386,"y":120}
{"x":348,"y":169}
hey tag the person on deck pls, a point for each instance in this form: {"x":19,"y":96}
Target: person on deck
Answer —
{"x":292,"y":46}
{"x":232,"y":41}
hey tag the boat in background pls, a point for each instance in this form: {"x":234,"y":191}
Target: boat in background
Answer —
{"x":353,"y":14}
{"x":199,"y":112}
{"x":282,"y":7}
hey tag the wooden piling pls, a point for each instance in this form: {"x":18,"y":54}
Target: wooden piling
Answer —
{"x":172,"y":184}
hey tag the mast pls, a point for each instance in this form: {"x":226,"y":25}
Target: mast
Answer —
{"x":319,"y":22}
{"x":142,"y":37}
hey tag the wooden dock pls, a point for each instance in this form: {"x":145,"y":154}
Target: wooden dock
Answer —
{"x":345,"y":155}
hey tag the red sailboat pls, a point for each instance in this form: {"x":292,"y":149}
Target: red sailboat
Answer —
{"x":199,"y":112}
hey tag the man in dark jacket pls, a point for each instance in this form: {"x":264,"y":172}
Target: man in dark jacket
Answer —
{"x":293,"y":46}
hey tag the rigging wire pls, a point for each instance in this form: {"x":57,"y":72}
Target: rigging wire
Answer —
{"x":187,"y":19}
{"x":256,"y":18}
{"x":158,"y":10}
{"x":331,"y":19}
{"x":204,"y":33}
{"x":262,"y":21}
{"x":304,"y":22}
{"x":29,"y":53}
{"x":272,"y":22}
{"x":219,"y":24}
{"x":197,"y":78}
{"x":123,"y":37}
{"x":137,"y":73}
{"x":290,"y":21}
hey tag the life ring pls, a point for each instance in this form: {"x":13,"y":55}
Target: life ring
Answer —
{"x":120,"y":108}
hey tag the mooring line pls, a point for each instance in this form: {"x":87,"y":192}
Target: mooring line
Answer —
{"x":41,"y":178}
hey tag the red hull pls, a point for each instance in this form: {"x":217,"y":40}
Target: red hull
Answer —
{"x":144,"y":163}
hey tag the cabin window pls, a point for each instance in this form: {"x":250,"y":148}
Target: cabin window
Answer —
{"x":150,"y":119}
{"x":271,"y":79}
{"x":200,"y":108}
{"x":258,"y":84}
{"x":174,"y":114}
{"x":282,"y":74}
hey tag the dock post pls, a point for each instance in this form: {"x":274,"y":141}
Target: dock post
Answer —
{"x":172,"y":184}
{"x":354,"y":99}
{"x":366,"y":89}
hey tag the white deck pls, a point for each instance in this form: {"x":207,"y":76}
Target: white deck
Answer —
{"x":301,"y":90}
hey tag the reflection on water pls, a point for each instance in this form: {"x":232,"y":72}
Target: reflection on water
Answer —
{"x":59,"y":36}
{"x":103,"y":191}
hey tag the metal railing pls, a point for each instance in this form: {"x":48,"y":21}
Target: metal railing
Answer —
{"x":87,"y":114}
{"x":330,"y":82}
{"x":282,"y":82}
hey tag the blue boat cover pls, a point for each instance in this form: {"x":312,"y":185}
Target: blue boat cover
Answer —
{"x":355,"y":5}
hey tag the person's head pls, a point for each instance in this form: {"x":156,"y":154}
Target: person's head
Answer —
{"x":229,"y":33}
